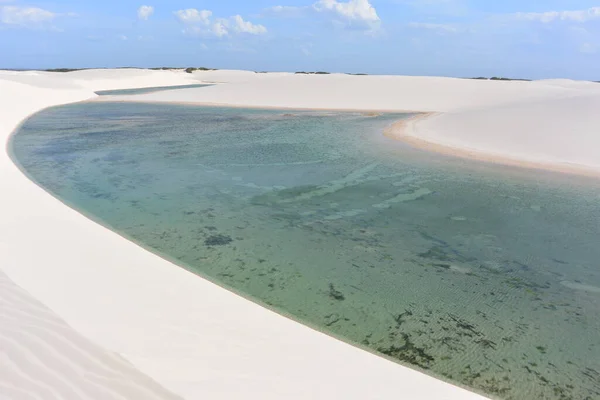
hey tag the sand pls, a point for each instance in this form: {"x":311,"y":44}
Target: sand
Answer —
{"x":550,"y":124}
{"x":556,"y":134}
{"x":86,"y":314}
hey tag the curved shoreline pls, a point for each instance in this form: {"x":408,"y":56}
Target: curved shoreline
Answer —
{"x":114,"y":293}
{"x":404,"y":131}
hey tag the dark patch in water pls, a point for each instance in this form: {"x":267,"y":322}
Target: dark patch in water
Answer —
{"x":218,"y":240}
{"x":335,"y":294}
{"x":409,"y":353}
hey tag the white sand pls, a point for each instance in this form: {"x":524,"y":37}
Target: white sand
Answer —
{"x":560,"y":134}
{"x":192,"y":337}
{"x":44,"y":358}
{"x":553,"y":124}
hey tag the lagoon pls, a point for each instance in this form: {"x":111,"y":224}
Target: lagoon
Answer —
{"x":125,"y":92}
{"x":482,"y":278}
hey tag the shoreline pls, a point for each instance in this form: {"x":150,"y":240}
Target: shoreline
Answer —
{"x":399,"y":131}
{"x":230,"y":289}
{"x":113,"y":292}
{"x":403,"y":131}
{"x":106,"y":99}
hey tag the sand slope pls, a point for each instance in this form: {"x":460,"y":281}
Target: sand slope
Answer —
{"x":559,"y":133}
{"x":44,"y":358}
{"x":192,"y":337}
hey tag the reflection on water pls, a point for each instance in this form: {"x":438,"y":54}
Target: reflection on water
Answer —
{"x":488,"y":280}
{"x":123,"y":92}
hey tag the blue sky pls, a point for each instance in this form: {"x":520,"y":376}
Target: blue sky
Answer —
{"x":516,"y":38}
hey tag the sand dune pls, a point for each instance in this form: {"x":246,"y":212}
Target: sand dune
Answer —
{"x":97,"y":294}
{"x":340,"y":91}
{"x":561,"y":134}
{"x":550,"y":123}
{"x":44,"y":358}
{"x":99,"y":79}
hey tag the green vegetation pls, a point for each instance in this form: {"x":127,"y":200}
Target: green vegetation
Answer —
{"x":497,"y":78}
{"x":189,"y":70}
{"x":65,"y":69}
{"x":312,"y":73}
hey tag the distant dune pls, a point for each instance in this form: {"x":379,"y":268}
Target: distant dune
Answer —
{"x":550,"y":123}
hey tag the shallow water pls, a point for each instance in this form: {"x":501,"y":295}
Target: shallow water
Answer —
{"x":124,"y":92}
{"x":484,"y":278}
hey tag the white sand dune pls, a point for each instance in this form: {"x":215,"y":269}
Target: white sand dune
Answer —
{"x":99,"y":79}
{"x":550,"y":123}
{"x":101,"y":295}
{"x":44,"y":358}
{"x":561,"y":134}
{"x":340,"y":91}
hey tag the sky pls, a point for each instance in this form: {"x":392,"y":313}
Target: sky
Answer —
{"x":464,"y":38}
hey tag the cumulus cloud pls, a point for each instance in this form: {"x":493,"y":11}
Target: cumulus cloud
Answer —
{"x":353,"y":13}
{"x":220,"y":28}
{"x":144,"y":12}
{"x":191,"y":16}
{"x":25,"y":16}
{"x":551,"y":16}
{"x":241,"y":26}
{"x":200,"y":22}
{"x":354,"y":10}
{"x":285,"y":11}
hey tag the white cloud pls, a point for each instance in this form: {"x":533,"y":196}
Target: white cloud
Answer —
{"x":220,"y":28}
{"x":354,"y":10}
{"x":25,"y":16}
{"x":242,"y":26}
{"x":351,"y":13}
{"x":551,"y":16}
{"x":144,"y":12}
{"x":191,"y":15}
{"x":200,"y":22}
{"x":285,"y":11}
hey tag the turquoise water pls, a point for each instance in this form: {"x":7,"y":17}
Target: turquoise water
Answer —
{"x":485,"y":276}
{"x":123,"y":92}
